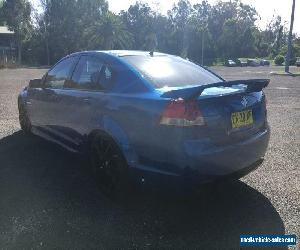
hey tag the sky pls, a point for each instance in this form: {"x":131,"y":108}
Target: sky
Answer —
{"x":265,"y":8}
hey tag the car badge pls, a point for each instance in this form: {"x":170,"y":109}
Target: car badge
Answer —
{"x":244,"y":102}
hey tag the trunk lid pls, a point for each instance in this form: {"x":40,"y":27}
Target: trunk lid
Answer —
{"x":223,"y":102}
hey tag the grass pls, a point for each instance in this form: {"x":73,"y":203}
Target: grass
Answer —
{"x":283,"y":73}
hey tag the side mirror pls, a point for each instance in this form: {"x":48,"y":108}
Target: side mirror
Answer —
{"x":35,"y":83}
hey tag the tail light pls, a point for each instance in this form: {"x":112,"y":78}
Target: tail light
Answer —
{"x":182,"y":113}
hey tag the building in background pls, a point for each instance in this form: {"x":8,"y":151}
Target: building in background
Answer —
{"x":7,"y":46}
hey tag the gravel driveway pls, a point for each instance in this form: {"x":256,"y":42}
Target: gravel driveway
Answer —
{"x":48,"y":200}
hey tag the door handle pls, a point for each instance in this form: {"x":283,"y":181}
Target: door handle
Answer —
{"x":87,"y":101}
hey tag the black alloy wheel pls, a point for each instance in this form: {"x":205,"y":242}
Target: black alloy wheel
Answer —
{"x":109,"y":166}
{"x":24,"y":119}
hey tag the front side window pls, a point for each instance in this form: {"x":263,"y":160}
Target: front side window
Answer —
{"x":92,"y":73}
{"x":58,"y":75}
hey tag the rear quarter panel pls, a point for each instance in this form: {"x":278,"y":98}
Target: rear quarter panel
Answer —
{"x":133,"y":120}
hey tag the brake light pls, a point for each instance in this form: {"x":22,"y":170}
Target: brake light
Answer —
{"x":182,"y":113}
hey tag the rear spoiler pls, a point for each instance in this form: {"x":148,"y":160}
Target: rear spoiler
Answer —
{"x":253,"y":85}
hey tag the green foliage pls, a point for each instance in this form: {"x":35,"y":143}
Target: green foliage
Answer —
{"x":295,"y":51}
{"x":201,"y":32}
{"x":109,"y":33}
{"x":16,"y":14}
{"x":138,"y":20}
{"x":279,"y":60}
{"x":68,"y":24}
{"x":296,"y":46}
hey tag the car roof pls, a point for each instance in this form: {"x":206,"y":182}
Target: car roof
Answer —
{"x":121,"y":53}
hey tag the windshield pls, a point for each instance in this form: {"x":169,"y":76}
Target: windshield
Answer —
{"x":171,"y":71}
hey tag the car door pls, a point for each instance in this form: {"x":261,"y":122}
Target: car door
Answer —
{"x":85,"y":95}
{"x":44,"y":104}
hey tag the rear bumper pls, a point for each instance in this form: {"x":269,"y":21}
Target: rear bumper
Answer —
{"x":204,"y":164}
{"x":220,"y":161}
{"x":188,"y":180}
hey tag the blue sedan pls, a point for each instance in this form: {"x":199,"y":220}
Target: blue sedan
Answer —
{"x":147,"y":115}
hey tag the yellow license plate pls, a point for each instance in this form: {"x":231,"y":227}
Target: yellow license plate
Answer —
{"x":240,"y":119}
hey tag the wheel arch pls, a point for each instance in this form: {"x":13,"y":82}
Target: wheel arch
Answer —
{"x":20,"y":100}
{"x":22,"y":96}
{"x":123,"y":145}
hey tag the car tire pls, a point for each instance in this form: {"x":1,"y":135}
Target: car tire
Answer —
{"x":109,"y":166}
{"x":24,"y":120}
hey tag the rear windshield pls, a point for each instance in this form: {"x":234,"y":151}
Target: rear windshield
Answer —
{"x":171,"y":71}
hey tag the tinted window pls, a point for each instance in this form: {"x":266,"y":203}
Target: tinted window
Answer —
{"x":57,"y":76}
{"x":171,"y":71}
{"x":92,"y":73}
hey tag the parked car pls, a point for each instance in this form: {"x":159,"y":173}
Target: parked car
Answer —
{"x":264,"y":62}
{"x":253,"y":62}
{"x":242,"y":62}
{"x":148,"y":116}
{"x":298,"y":62}
{"x":230,"y":63}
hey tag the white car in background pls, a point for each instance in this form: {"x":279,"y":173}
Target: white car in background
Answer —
{"x":298,"y":62}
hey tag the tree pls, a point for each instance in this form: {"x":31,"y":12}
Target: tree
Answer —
{"x":109,"y":33}
{"x":229,"y":40}
{"x":230,"y":25}
{"x":151,"y":42}
{"x":279,"y":60}
{"x":179,"y":16}
{"x":17,"y":17}
{"x":248,"y":43}
{"x":43,"y":22}
{"x":288,"y":53}
{"x":295,"y":50}
{"x":139,"y":20}
{"x":161,"y":27}
{"x":2,"y":20}
{"x":66,"y":24}
{"x":200,"y":19}
{"x":202,"y":33}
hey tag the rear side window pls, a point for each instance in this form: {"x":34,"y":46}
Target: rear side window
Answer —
{"x":60,"y":73}
{"x":171,"y":71}
{"x":92,"y":73}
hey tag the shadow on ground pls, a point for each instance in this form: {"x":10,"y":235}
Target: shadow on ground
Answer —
{"x":49,"y":200}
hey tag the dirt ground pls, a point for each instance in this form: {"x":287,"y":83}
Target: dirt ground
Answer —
{"x":48,"y":199}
